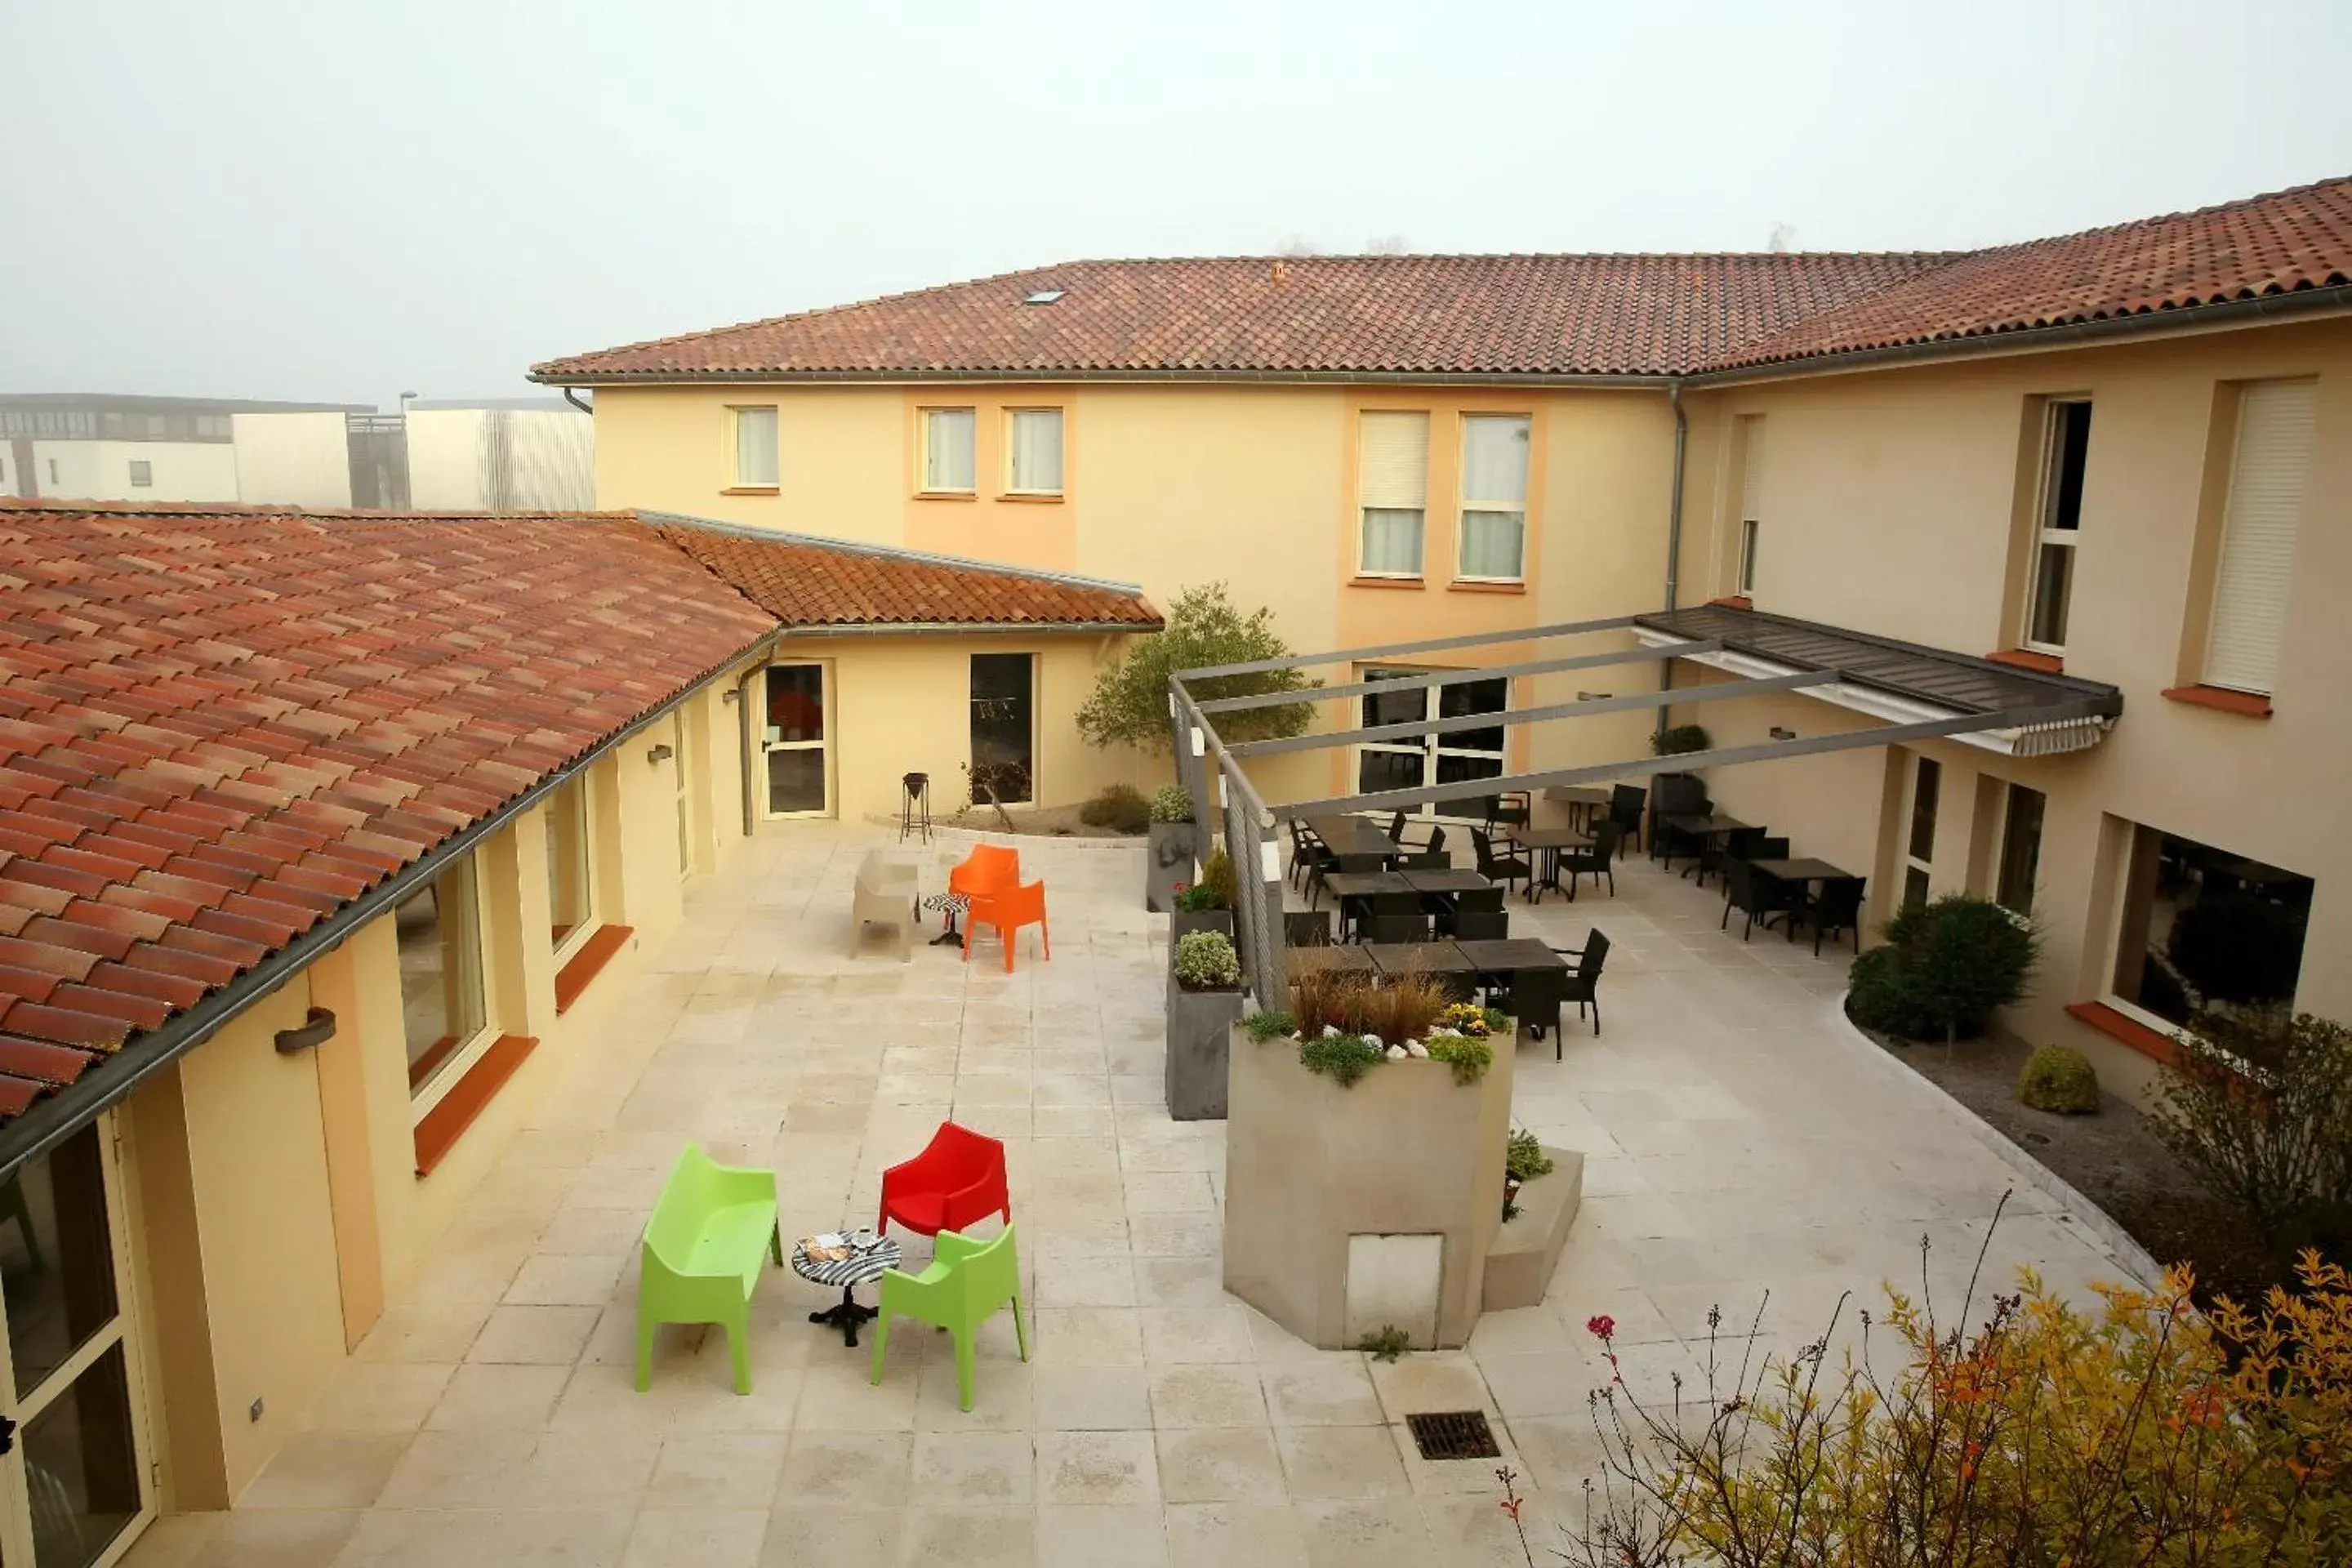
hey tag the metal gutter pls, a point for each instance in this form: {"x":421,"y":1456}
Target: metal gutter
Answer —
{"x":1674,"y":536}
{"x":970,"y":628}
{"x":1650,"y":380}
{"x":586,"y":408}
{"x":49,"y":1120}
{"x":2185,"y":319}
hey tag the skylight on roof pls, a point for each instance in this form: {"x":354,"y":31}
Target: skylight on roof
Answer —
{"x":1043,"y":297}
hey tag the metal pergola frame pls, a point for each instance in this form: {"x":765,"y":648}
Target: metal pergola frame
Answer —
{"x":1250,"y":827}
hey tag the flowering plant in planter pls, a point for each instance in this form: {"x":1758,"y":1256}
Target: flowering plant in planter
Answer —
{"x":1205,"y":961}
{"x":1345,"y":1024}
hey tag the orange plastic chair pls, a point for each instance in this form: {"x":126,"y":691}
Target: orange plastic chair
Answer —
{"x":1008,"y":910}
{"x":985,"y":869}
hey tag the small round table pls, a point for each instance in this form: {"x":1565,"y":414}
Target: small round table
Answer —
{"x":950,"y":905}
{"x":870,"y":1257}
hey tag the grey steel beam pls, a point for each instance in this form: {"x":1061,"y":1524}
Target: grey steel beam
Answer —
{"x":1762,"y":751}
{"x":1716,"y":691}
{"x":1460,"y":676}
{"x":1419,"y":645}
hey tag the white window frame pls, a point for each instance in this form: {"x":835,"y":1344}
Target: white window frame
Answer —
{"x":2001,"y":826}
{"x":1364,"y":510}
{"x":1924,"y":865}
{"x":1749,"y":527}
{"x":2046,"y":536}
{"x":585,"y":784}
{"x":687,"y":825}
{"x":929,"y":413}
{"x":1470,"y":504}
{"x":474,"y":1047}
{"x":737,"y":478}
{"x":1012,"y":487}
{"x":142,"y":473}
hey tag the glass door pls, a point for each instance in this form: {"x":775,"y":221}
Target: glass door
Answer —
{"x":75,"y":1474}
{"x":1412,"y":761}
{"x":799,"y":781}
{"x":1003,"y":734}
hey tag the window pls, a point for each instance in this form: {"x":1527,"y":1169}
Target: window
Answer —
{"x":2202,"y":925}
{"x":1751,"y":499}
{"x":1494,"y":497}
{"x":1036,"y":455}
{"x":142,"y":473}
{"x":682,"y":776}
{"x":439,"y":932}
{"x":755,"y":447}
{"x":2020,"y":849}
{"x":1003,"y":753}
{"x":1920,"y":849}
{"x":2066,"y":445}
{"x":2259,"y":524}
{"x":948,"y":448}
{"x":1392,"y":486}
{"x":571,"y":888}
{"x":53,"y":470}
{"x":1413,"y":760}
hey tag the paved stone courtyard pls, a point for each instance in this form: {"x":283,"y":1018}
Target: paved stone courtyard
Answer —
{"x":1737,"y":1142}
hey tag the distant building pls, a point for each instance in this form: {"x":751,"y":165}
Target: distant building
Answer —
{"x":106,"y":446}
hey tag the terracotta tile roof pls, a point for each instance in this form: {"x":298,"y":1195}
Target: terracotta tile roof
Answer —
{"x":2268,"y":245}
{"x":220,"y":725}
{"x":1404,"y":315}
{"x":805,"y":581}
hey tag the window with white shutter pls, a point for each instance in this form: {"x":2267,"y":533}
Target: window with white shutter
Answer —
{"x":949,"y":448}
{"x":1392,"y":488}
{"x":2267,"y":471}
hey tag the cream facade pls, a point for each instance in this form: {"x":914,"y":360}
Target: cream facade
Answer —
{"x":1914,"y":503}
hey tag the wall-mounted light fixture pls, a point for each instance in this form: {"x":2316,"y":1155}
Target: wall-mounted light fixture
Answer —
{"x":315,"y":1031}
{"x":1780,"y":734}
{"x":660,"y":754}
{"x":732,"y":694}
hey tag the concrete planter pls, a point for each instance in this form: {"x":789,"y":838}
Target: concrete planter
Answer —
{"x":1201,"y":1026}
{"x":1181,"y":922}
{"x":1168,"y":861}
{"x":1347,"y":1209}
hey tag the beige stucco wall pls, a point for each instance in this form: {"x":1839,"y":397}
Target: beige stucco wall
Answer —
{"x":1892,"y":504}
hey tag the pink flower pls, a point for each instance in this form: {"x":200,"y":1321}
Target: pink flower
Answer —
{"x":1603,"y":1327}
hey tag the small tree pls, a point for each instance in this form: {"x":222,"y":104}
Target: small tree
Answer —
{"x":1946,"y":967}
{"x":1130,"y":702}
{"x":2259,"y":1107}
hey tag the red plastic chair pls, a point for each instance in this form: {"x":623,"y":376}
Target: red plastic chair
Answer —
{"x":959,"y":1178}
{"x":1008,"y":910}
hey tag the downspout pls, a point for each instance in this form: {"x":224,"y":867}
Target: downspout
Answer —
{"x":743,"y":738}
{"x":572,"y":397}
{"x":1673,"y":532}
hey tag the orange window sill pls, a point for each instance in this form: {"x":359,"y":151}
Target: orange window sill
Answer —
{"x":1028,"y":498}
{"x":2127,"y":1030}
{"x":1460,"y":587}
{"x":1735,"y":602}
{"x":947,"y":495}
{"x":752,"y":490}
{"x":467,"y":1098}
{"x":2026,"y":658}
{"x":1386,"y":583}
{"x":2251,"y":704}
{"x":588,"y":963}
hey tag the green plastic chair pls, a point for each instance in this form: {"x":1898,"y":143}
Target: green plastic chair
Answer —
{"x":967,"y":1282}
{"x":713,"y":1227}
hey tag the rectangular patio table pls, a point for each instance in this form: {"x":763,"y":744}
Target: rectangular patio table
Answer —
{"x":1581,"y":800}
{"x":1442,"y":881}
{"x":1320,"y":959}
{"x":1711,"y":828}
{"x":1548,"y":842}
{"x":1364,"y":884}
{"x":1417,"y":957}
{"x":1351,"y":836}
{"x":1802,"y":869}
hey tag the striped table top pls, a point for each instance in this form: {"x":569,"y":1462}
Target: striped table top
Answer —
{"x":870,"y":1257}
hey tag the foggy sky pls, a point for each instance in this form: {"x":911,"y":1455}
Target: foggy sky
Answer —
{"x":326,"y":200}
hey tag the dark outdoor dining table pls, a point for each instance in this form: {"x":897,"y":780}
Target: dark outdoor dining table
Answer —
{"x":1364,"y":884}
{"x":1548,"y":842}
{"x":1802,"y":869}
{"x":1712,"y":828}
{"x":1301,"y":961}
{"x":1443,"y":881}
{"x":1510,"y":956}
{"x":1581,"y":800}
{"x":1417,"y":957}
{"x":1352,"y":835}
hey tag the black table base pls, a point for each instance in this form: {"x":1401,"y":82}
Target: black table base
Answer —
{"x":846,"y":1317}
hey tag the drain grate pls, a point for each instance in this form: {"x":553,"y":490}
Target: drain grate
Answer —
{"x":1454,"y":1434}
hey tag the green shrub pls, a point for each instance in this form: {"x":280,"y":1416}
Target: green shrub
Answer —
{"x":1466,"y":1054}
{"x":1130,"y":702}
{"x":1171,"y":804}
{"x":1387,"y":1344}
{"x":1120,"y":808}
{"x":2059,"y":1079}
{"x":1946,"y":966}
{"x":1217,"y":876}
{"x":1678,"y":740}
{"x":2258,"y":1105}
{"x":2236,"y":948}
{"x":1205,"y":961}
{"x":1343,"y":1059}
{"x":1525,"y":1159}
{"x":1265,"y":1027}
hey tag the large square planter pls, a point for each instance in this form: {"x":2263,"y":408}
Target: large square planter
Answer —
{"x":1168,"y":862}
{"x":1201,"y":1026}
{"x":1349,"y":1209}
{"x":1181,"y":922}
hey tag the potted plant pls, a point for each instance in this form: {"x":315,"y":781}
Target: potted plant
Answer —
{"x":1173,"y":843}
{"x":1523,"y":1160}
{"x":1204,"y":905}
{"x":1204,"y":1002}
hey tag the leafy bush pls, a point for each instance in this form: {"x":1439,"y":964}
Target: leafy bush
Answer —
{"x":2236,"y":948}
{"x":1120,"y":808}
{"x":2258,"y":1105}
{"x":1171,"y":804}
{"x":1468,"y":1056}
{"x":1129,"y":705}
{"x":1946,"y":967}
{"x":1678,"y":740}
{"x":2044,"y":1435}
{"x":2059,"y":1079}
{"x":1524,"y":1157}
{"x":1387,"y":1344}
{"x":1343,"y":1059}
{"x":1205,"y":961}
{"x":1215,"y":888}
{"x":1265,"y":1027}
